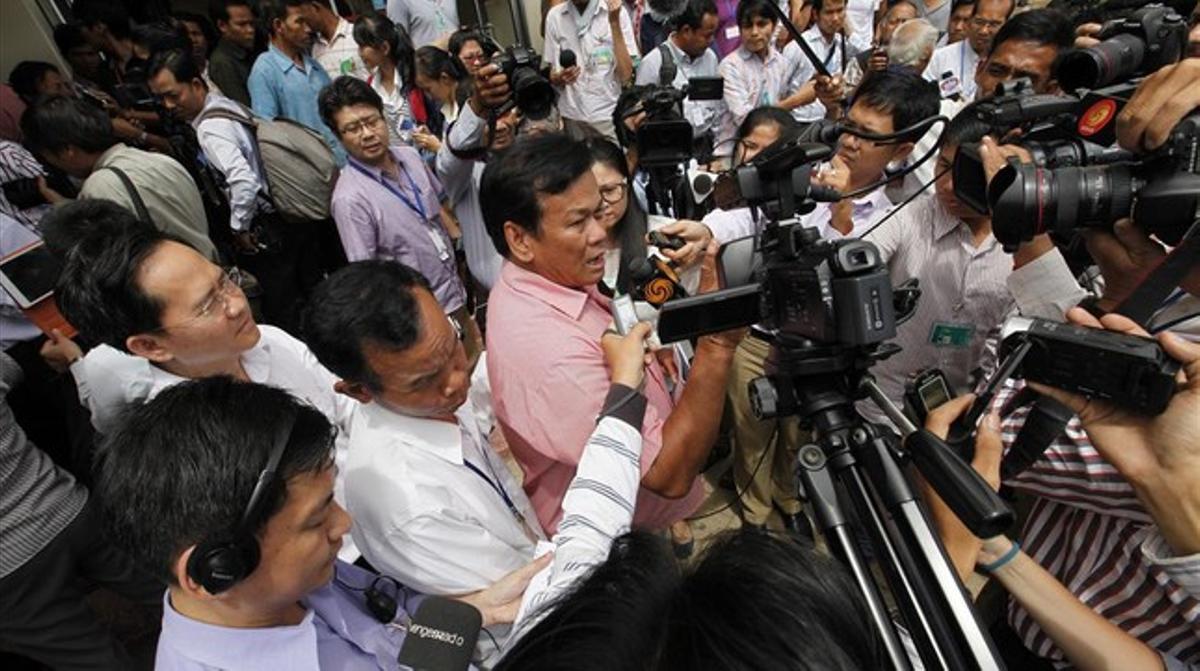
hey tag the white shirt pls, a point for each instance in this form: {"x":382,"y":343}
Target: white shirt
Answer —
{"x":593,"y":96}
{"x":230,"y":147}
{"x":963,"y":294}
{"x":422,"y":514}
{"x":702,"y":114}
{"x":108,"y":381}
{"x":833,"y":54}
{"x":865,"y":211}
{"x":395,"y":106}
{"x":460,"y":177}
{"x":860,"y":18}
{"x":426,"y":21}
{"x":339,"y":55}
{"x":961,"y":60}
{"x":727,"y":225}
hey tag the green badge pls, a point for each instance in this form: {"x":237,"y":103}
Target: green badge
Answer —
{"x":945,"y":334}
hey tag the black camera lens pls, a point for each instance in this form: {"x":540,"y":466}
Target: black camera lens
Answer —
{"x":1029,"y":200}
{"x":1114,"y":59}
{"x":533,"y":94}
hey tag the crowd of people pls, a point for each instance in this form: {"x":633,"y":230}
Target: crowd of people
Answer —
{"x":338,"y":336}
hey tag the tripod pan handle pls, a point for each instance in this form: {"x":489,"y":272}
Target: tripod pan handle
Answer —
{"x":966,"y":493}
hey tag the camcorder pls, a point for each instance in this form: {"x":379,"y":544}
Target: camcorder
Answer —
{"x":1130,"y":371}
{"x":666,"y":139}
{"x":787,"y":277}
{"x":1078,"y":178}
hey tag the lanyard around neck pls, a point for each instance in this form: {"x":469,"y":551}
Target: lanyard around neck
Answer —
{"x":416,"y":206}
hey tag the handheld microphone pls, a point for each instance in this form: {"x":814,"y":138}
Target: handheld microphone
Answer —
{"x":567,"y":59}
{"x":655,"y":280}
{"x":950,"y":86}
{"x":442,"y":635}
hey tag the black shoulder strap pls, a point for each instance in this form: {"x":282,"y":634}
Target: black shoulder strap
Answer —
{"x":667,"y":68}
{"x":138,"y":204}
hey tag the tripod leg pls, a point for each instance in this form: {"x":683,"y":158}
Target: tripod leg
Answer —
{"x":822,"y":497}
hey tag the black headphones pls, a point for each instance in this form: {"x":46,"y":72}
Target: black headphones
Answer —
{"x":220,"y":563}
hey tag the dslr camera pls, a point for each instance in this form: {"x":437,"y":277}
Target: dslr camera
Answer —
{"x":1079,"y":178}
{"x":531,"y":91}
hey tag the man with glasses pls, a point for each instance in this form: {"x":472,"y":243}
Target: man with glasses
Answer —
{"x":163,"y":313}
{"x":961,"y":59}
{"x":387,"y":203}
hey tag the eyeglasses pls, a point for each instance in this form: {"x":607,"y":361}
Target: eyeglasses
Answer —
{"x":613,"y":193}
{"x":458,"y":328}
{"x":357,"y":127}
{"x":228,"y":286}
{"x":984,"y":23}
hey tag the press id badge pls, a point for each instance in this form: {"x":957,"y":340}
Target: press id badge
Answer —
{"x":602,"y":57}
{"x":948,"y":334}
{"x":438,"y":243}
{"x":732,"y":33}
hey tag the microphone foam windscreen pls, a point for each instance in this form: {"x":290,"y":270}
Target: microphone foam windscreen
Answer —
{"x":442,"y":635}
{"x":567,"y":59}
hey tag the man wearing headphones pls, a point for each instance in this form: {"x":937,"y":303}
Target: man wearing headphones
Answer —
{"x":225,"y":490}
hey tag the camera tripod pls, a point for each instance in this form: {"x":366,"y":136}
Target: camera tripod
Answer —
{"x":852,"y":460}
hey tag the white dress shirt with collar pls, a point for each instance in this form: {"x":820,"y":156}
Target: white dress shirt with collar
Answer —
{"x":866,"y":210}
{"x":428,"y":499}
{"x":108,"y":381}
{"x":704,"y":115}
{"x":833,"y":53}
{"x":960,"y":60}
{"x":231,"y":148}
{"x":593,"y":96}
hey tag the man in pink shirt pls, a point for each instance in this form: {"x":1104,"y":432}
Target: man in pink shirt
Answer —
{"x":545,"y":319}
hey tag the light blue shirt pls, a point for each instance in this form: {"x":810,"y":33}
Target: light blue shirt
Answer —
{"x":337,"y":633}
{"x":280,"y":88}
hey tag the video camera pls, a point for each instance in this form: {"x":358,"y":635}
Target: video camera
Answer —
{"x":665,"y":139}
{"x":1079,"y":179}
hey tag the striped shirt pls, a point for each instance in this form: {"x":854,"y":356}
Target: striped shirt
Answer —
{"x":963,"y":296}
{"x":17,"y":163}
{"x":1087,"y":526}
{"x":37,"y":498}
{"x":750,"y":82}
{"x":597,"y":508}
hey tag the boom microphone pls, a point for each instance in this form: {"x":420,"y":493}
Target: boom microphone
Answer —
{"x":442,"y":635}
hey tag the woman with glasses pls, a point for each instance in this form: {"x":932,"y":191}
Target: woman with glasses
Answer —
{"x":468,"y":47}
{"x":623,"y":216}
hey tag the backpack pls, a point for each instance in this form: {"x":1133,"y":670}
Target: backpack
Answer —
{"x":300,"y":166}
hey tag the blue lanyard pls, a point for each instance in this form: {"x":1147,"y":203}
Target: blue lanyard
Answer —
{"x":962,"y":64}
{"x":496,"y":486}
{"x":417,"y":207}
